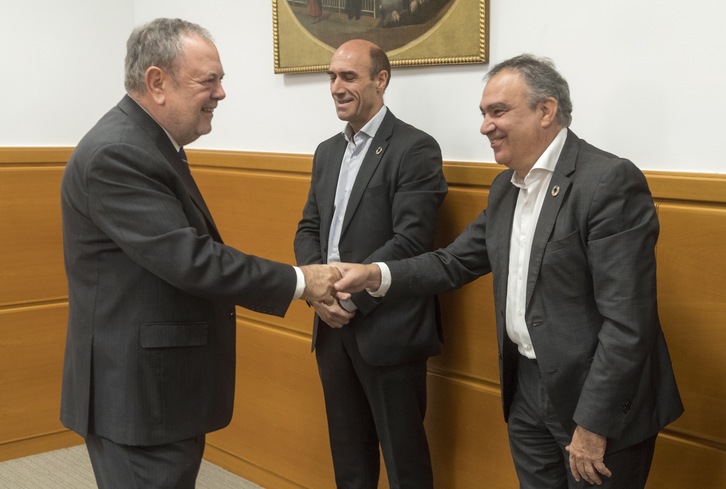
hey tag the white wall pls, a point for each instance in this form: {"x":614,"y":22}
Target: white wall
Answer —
{"x":646,"y":76}
{"x":62,"y":67}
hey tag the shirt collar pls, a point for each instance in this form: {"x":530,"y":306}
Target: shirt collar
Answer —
{"x":546,"y":163}
{"x":371,"y":127}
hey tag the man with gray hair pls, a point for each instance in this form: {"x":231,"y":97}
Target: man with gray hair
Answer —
{"x":150,"y":351}
{"x":569,"y":236}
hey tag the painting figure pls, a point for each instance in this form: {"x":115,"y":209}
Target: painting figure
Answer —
{"x":315,"y":10}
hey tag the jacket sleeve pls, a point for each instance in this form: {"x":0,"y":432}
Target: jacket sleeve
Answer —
{"x":308,"y":248}
{"x":623,"y":230}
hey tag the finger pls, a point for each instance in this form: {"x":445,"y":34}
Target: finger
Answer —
{"x":583,"y":472}
{"x":343,"y":296}
{"x":588,"y":472}
{"x":591,"y":475}
{"x":573,"y":468}
{"x":602,"y":468}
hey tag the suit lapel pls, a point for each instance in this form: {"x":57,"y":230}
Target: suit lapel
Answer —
{"x":375,"y":154}
{"x":556,"y":193}
{"x":501,"y":205}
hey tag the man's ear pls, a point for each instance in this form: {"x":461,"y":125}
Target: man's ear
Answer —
{"x":156,"y":81}
{"x":382,"y":80}
{"x":548,"y":110}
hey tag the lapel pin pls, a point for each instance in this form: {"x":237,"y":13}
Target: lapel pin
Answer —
{"x":379,"y":150}
{"x":555,"y":190}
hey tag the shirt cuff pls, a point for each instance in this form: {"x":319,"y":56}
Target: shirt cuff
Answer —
{"x":385,"y":281}
{"x":300,"y":287}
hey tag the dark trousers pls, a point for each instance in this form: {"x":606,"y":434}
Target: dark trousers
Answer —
{"x":367,"y":405}
{"x":172,"y":466}
{"x":537,"y":441}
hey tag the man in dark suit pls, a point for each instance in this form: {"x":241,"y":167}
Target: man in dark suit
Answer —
{"x":150,"y":352}
{"x":569,"y":235}
{"x":374,"y":195}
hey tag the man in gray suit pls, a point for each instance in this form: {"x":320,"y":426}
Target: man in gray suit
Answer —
{"x":150,"y":352}
{"x":375,"y":192}
{"x":569,"y":235}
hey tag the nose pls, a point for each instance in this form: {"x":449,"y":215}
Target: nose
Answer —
{"x":335,"y":86}
{"x":486,"y":126}
{"x":219,"y":93}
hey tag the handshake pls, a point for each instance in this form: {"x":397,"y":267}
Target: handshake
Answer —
{"x":330,"y":283}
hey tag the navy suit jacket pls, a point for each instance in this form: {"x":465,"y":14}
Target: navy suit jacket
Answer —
{"x":591,"y":305}
{"x":150,"y":350}
{"x":391,"y":214}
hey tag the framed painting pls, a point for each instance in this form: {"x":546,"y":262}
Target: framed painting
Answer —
{"x":306,"y":33}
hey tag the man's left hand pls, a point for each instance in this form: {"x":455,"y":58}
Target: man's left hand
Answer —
{"x":587,"y":452}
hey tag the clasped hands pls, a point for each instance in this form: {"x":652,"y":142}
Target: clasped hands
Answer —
{"x":327,"y":285}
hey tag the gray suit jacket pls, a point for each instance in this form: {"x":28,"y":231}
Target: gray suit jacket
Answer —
{"x":391,"y":214}
{"x":150,"y":351}
{"x":591,"y":293}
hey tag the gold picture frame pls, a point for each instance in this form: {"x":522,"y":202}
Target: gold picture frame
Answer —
{"x":454,"y":32}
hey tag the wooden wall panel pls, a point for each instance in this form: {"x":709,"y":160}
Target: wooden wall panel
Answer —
{"x":31,"y":356}
{"x":31,"y":262}
{"x":279,"y":420}
{"x":33,"y":301}
{"x":683,"y":464}
{"x":692,"y":304}
{"x":278,"y":435}
{"x":469,"y":351}
{"x":467,"y":434}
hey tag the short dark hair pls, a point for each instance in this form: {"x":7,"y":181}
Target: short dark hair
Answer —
{"x":543,"y":81}
{"x":380,"y":62}
{"x":157,"y":43}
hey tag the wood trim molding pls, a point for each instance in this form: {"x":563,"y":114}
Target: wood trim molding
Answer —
{"x":687,"y":186}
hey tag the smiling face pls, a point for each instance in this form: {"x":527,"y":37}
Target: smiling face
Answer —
{"x":357,"y":97}
{"x":188,"y":99}
{"x":518,"y":133}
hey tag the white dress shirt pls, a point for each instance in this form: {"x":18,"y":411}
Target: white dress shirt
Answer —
{"x":533,"y":189}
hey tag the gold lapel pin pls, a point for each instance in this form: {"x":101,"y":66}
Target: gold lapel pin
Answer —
{"x":555,"y":190}
{"x":379,"y":150}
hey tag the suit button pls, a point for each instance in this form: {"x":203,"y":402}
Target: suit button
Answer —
{"x":626,"y":407}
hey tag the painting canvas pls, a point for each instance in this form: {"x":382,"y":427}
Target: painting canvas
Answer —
{"x":412,"y":32}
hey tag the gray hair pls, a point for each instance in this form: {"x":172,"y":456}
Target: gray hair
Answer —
{"x":158,"y":43}
{"x":543,"y":81}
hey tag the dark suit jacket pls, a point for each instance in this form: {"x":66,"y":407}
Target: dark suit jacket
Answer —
{"x":150,"y":351}
{"x":391,"y":214}
{"x":591,"y":293}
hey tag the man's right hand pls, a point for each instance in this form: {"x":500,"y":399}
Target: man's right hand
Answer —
{"x":319,"y":280}
{"x":356,"y":278}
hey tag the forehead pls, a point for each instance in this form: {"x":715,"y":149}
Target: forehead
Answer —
{"x":350,"y":60}
{"x":507,"y":85}
{"x":200,"y":55}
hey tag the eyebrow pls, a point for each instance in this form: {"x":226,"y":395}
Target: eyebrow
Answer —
{"x":495,"y":106}
{"x":342,"y":73}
